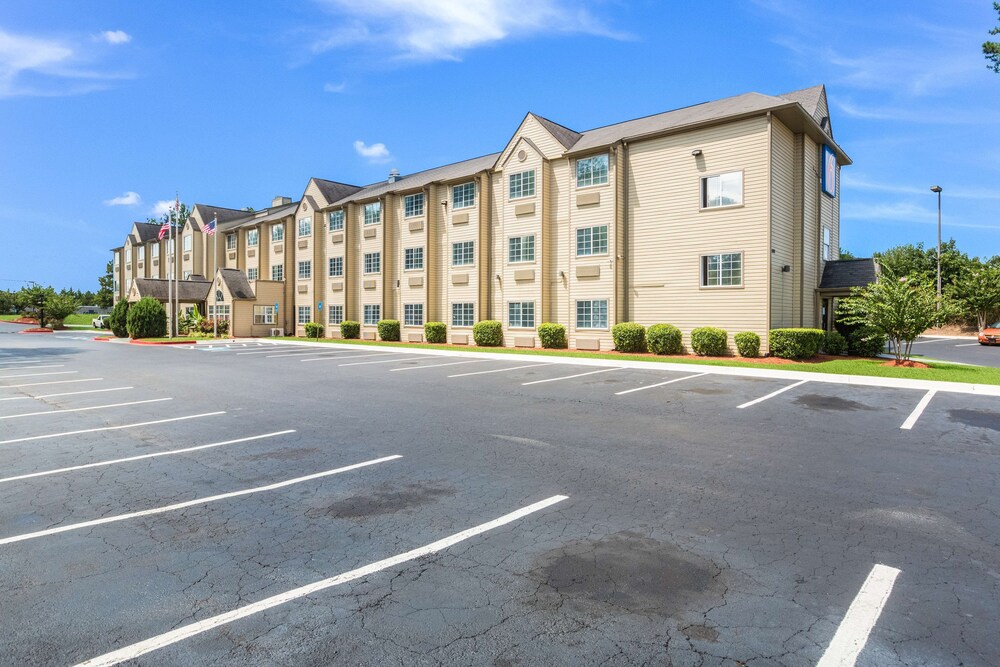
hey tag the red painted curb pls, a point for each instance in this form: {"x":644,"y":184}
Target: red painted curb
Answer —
{"x":161,"y":342}
{"x":35,"y":331}
{"x":103,"y":339}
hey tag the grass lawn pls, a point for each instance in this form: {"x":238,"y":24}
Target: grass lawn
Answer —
{"x":868,"y":367}
{"x":175,"y":339}
{"x":79,"y":319}
{"x":9,"y":318}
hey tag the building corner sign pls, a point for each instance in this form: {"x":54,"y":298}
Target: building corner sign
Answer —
{"x":829,"y":171}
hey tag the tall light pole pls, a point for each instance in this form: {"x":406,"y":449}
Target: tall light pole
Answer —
{"x":937,"y":190}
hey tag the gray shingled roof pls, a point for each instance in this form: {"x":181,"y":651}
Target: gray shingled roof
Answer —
{"x":206,"y":213}
{"x":187,"y":290}
{"x":421,"y":178}
{"x":809,"y":99}
{"x":237,"y":283}
{"x":147,"y":231}
{"x":333,"y":191}
{"x":563,"y":135}
{"x":262,"y":217}
{"x":847,"y":273}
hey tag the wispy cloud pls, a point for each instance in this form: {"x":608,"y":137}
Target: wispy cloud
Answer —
{"x":162,"y":207}
{"x":858,"y":182}
{"x":376,"y":153}
{"x":115,"y":37}
{"x":128,"y":199}
{"x":444,"y":29}
{"x":334,"y":87}
{"x":902,"y":212}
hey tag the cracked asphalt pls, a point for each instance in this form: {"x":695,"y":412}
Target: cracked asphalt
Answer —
{"x":695,"y":533}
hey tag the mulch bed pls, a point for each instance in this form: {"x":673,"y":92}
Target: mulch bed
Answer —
{"x":36,"y":330}
{"x":905,"y":364}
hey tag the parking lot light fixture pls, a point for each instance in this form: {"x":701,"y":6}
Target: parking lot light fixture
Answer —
{"x":936,"y":189}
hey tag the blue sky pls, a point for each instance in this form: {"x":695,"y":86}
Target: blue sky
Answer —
{"x":109,"y":108}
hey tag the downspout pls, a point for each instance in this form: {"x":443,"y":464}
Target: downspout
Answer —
{"x":770,"y":233}
{"x":625,"y":234}
{"x":430,"y":314}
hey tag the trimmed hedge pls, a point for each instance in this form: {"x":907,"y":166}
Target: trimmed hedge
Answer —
{"x":747,"y":344}
{"x":552,"y":335}
{"x":350,"y":329}
{"x":314,"y":330}
{"x":709,"y":341}
{"x":146,"y":319}
{"x":117,"y":320}
{"x":388,"y":329}
{"x":436,"y":332}
{"x":488,"y":333}
{"x":834,"y":343}
{"x":664,"y":339}
{"x":864,"y":342}
{"x":796,"y":343}
{"x":629,"y":337}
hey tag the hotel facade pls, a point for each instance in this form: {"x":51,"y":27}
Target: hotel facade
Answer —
{"x":722,"y":214}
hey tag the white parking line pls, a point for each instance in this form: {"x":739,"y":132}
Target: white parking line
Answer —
{"x":31,"y":375}
{"x":659,"y":384}
{"x":92,"y":407}
{"x":39,"y":384}
{"x":497,"y":370}
{"x":452,"y":363}
{"x":570,"y":377}
{"x":111,"y":428}
{"x":919,"y":410}
{"x":33,"y":368}
{"x":66,"y":393}
{"x":854,"y":630}
{"x":16,"y":360}
{"x":309,"y":353}
{"x":133,"y":651}
{"x":365,"y":363}
{"x":190,"y":503}
{"x":270,"y":351}
{"x":140,"y":457}
{"x":771,"y":395}
{"x":968,"y":344}
{"x":353,"y":356}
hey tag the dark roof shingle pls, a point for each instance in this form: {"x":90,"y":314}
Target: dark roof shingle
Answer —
{"x":847,"y":273}
{"x":237,"y":284}
{"x":187,"y":290}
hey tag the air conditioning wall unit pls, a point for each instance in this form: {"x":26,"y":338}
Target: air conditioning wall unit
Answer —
{"x":277,"y":331}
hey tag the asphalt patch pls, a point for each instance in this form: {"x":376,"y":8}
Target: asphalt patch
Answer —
{"x":385,"y":500}
{"x":820,"y":402}
{"x":627,"y":571}
{"x":976,"y":418}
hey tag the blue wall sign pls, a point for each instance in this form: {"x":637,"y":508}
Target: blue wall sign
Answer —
{"x":319,"y":306}
{"x":275,"y":308}
{"x":829,"y":171}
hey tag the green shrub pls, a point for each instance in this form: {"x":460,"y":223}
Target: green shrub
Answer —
{"x":664,"y":339}
{"x":796,"y":343}
{"x":436,"y":332}
{"x":314,"y":330}
{"x":209,"y":326}
{"x":388,"y":329}
{"x":747,"y":344}
{"x":117,"y":320}
{"x":629,"y":337}
{"x":146,"y":319}
{"x":865,"y":342}
{"x":834,"y":343}
{"x":710,"y":342}
{"x":552,"y":335}
{"x":350,"y":329}
{"x":488,"y":333}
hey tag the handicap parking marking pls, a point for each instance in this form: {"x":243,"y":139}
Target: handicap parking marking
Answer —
{"x":659,"y":384}
{"x":191,"y":503}
{"x":66,"y":393}
{"x":771,"y":395}
{"x":570,"y":377}
{"x":858,"y":623}
{"x":497,"y":370}
{"x":133,"y":651}
{"x":111,"y":428}
{"x":92,"y":407}
{"x":919,"y":410}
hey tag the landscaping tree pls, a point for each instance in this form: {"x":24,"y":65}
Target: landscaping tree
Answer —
{"x":105,"y":296}
{"x":899,"y":308}
{"x":920,"y":264}
{"x":117,"y":319}
{"x":31,"y":301}
{"x":991,"y":50}
{"x":976,"y":294}
{"x":8,"y":302}
{"x":59,"y":306}
{"x":146,"y":319}
{"x":846,"y":254}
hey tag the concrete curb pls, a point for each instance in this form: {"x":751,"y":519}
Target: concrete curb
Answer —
{"x":763,"y":373}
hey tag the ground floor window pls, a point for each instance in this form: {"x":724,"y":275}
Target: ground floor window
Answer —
{"x":592,"y":314}
{"x":335,"y":314}
{"x":521,"y":314}
{"x":723,"y":270}
{"x":305,"y":314}
{"x":413,"y":314}
{"x":373,"y":313}
{"x":463,"y":314}
{"x":263,"y":314}
{"x":220,"y":312}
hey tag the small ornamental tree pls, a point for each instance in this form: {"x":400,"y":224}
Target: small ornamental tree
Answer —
{"x":146,"y":319}
{"x":976,"y":293}
{"x":898,"y":308}
{"x":59,"y":306}
{"x":117,"y":319}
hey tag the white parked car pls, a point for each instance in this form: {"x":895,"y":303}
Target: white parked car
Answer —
{"x":100,"y":322}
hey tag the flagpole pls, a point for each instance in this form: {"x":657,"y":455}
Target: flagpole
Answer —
{"x":215,"y":292}
{"x":177,"y":284}
{"x":170,"y":273}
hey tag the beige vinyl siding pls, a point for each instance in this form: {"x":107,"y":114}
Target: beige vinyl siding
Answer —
{"x":378,"y":294}
{"x":311,"y":252}
{"x":810,"y":230}
{"x":454,"y":233}
{"x":783,"y":285}
{"x":669,"y":234}
{"x":268,"y":293}
{"x":435,"y":311}
{"x":532,"y":131}
{"x":334,"y":297}
{"x":556,"y":198}
{"x":405,"y":238}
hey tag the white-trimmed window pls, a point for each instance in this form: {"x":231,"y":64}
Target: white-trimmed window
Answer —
{"x":305,"y":314}
{"x":221,"y":312}
{"x":521,"y":314}
{"x":335,"y":220}
{"x":592,"y":314}
{"x":263,"y":314}
{"x":413,"y":314}
{"x":305,"y":227}
{"x":373,"y":262}
{"x":463,"y":314}
{"x":826,"y":244}
{"x":230,"y":242}
{"x":722,"y":270}
{"x":413,"y":258}
{"x":334,"y":314}
{"x":186,"y":243}
{"x":521,"y":249}
{"x":170,"y":249}
{"x":592,"y":241}
{"x":154,"y":249}
{"x":463,"y":253}
{"x":413,"y":205}
{"x":722,"y":190}
{"x":336,"y":267}
{"x":128,"y":255}
{"x":142,"y":254}
{"x":278,"y":272}
{"x":277,"y":233}
{"x":305,"y":269}
{"x":252,"y":273}
{"x":522,"y":184}
{"x":117,"y":260}
{"x":592,"y":171}
{"x":187,"y":275}
{"x":373,"y":213}
{"x":373,"y":313}
{"x":253,"y":237}
{"x":463,"y":195}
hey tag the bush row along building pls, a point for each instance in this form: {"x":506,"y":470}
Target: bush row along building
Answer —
{"x":721,"y":214}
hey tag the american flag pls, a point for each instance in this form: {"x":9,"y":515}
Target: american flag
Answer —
{"x":164,"y":228}
{"x":210,"y":227}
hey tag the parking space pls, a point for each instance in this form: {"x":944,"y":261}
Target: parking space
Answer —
{"x":366,"y":506}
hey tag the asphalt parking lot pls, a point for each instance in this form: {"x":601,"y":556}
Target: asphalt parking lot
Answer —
{"x":273,"y":504}
{"x":965,"y":350}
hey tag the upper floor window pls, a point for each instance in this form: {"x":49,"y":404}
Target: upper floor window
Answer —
{"x":373,"y":213}
{"x":336,"y":267}
{"x":592,"y":241}
{"x":722,"y":190}
{"x":277,"y":233}
{"x":278,"y":272}
{"x":413,"y":258}
{"x":170,"y":248}
{"x":464,"y":195}
{"x":253,"y":238}
{"x":521,"y":249}
{"x":186,"y":243}
{"x":142,"y":253}
{"x":826,"y":244}
{"x":463,"y":253}
{"x":155,"y":249}
{"x":305,"y":226}
{"x":592,"y":171}
{"x":522,"y":184}
{"x":230,"y":242}
{"x":336,"y":220}
{"x":117,"y":260}
{"x":413,"y":205}
{"x":305,"y":269}
{"x":373,"y":262}
{"x":722,"y":270}
{"x":253,"y":273}
{"x":128,"y":255}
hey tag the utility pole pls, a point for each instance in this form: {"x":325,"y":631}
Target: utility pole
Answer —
{"x":937,"y":190}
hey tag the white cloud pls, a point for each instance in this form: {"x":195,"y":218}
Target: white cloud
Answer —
{"x":442,"y":29}
{"x":334,"y":87}
{"x":128,"y":199}
{"x":376,"y":153}
{"x":116,"y":37}
{"x":37,"y":66}
{"x":858,"y":182}
{"x":904,"y":213}
{"x":162,"y":207}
